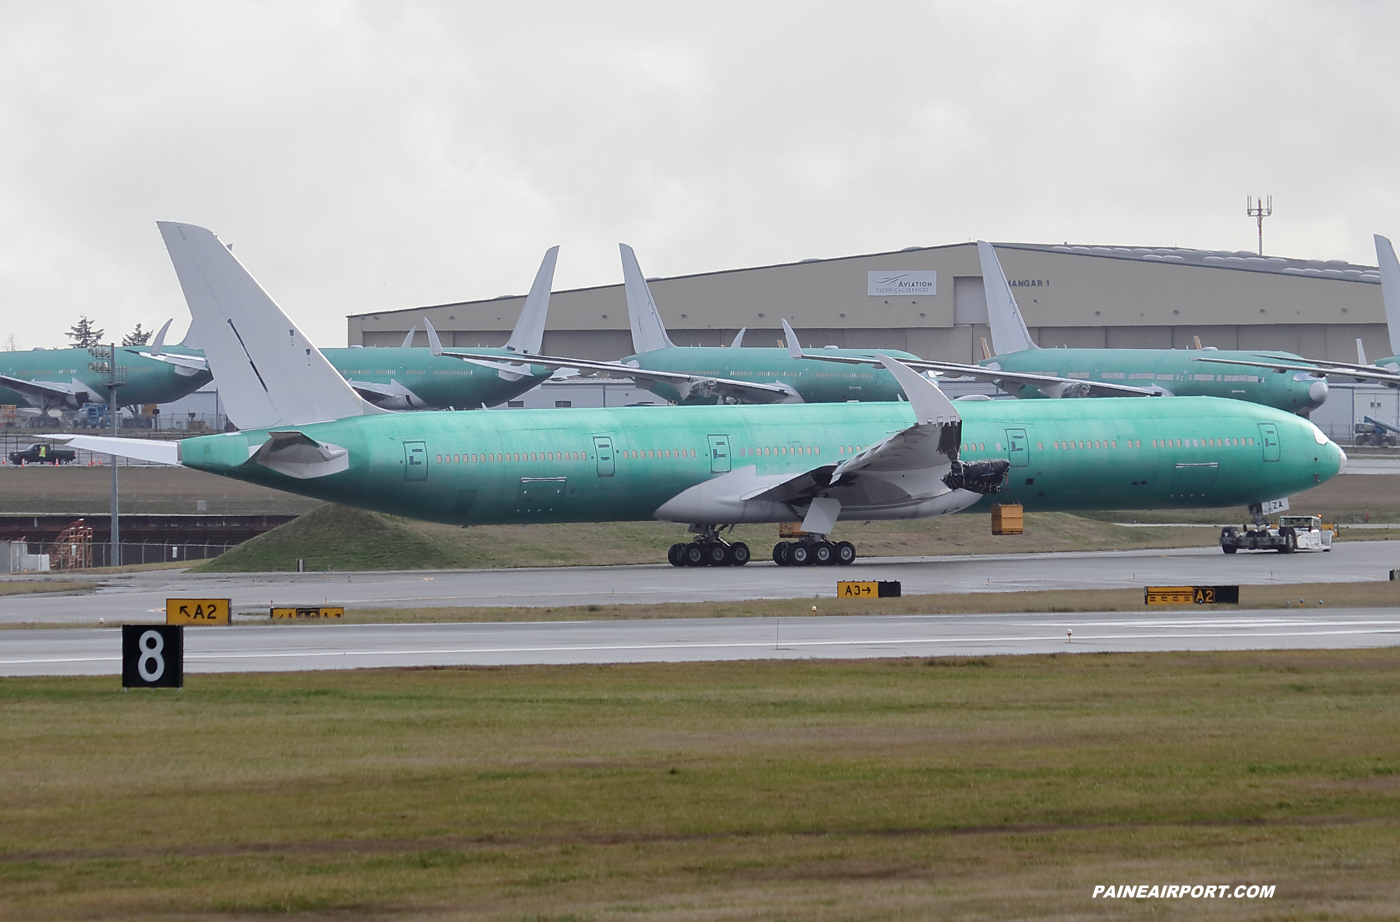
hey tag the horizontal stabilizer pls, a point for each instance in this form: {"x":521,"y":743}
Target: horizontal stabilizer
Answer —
{"x":298,"y":455}
{"x":140,"y":449}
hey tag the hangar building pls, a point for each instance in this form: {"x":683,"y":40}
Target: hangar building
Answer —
{"x":1142,"y":297}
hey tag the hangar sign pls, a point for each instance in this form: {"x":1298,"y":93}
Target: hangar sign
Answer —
{"x":906,"y":284}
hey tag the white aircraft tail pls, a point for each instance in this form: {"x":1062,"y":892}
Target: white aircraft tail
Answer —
{"x":528,"y":335}
{"x":1009,"y":333}
{"x":1360,"y":353}
{"x":1390,"y":289}
{"x":269,"y":373}
{"x":648,"y":332}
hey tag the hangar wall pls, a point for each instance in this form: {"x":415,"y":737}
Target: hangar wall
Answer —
{"x":1070,"y":295}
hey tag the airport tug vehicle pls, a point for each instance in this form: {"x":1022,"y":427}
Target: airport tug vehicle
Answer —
{"x":1292,"y":533}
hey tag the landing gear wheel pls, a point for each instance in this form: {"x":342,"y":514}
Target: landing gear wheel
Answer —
{"x":717,"y":555}
{"x":674,"y":555}
{"x":823,"y":554}
{"x":738,"y":553}
{"x":781,"y":552}
{"x":845,"y":553}
{"x":800,"y":555}
{"x":694,"y":555}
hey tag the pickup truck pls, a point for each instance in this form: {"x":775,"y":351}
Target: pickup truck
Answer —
{"x":42,"y":453}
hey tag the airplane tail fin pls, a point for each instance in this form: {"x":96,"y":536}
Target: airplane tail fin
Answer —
{"x":1009,"y":333}
{"x":793,"y":347}
{"x":648,"y":332}
{"x":269,"y":373}
{"x":1360,"y":353}
{"x":1390,"y":289}
{"x":986,"y":350}
{"x":528,"y":335}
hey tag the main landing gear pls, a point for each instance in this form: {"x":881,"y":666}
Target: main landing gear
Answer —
{"x":708,"y":550}
{"x":813,"y":551}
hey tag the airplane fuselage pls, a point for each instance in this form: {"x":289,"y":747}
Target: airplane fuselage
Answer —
{"x":815,"y":381}
{"x":534,"y":466}
{"x":147,"y":380}
{"x":1173,"y":371}
{"x":420,"y":380}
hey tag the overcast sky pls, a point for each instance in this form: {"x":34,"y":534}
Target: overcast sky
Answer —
{"x":365,"y":156}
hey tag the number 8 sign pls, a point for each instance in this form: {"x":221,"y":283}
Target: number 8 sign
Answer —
{"x":153,"y":656}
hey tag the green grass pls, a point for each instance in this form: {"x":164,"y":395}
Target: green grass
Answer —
{"x":341,"y":538}
{"x":902,"y":789}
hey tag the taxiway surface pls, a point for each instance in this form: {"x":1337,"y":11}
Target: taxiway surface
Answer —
{"x":295,"y":647}
{"x":135,"y":597}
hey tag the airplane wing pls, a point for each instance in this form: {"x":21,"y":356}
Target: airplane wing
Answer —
{"x":1050,"y":385}
{"x":913,"y":467}
{"x":1320,"y":368}
{"x":190,"y":362}
{"x":686,"y":384}
{"x":45,"y":393}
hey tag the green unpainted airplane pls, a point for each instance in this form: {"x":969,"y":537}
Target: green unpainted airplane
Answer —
{"x":63,"y":379}
{"x":710,"y":374}
{"x":1385,"y":371}
{"x":1178,"y":372}
{"x":707,"y":467}
{"x":407,"y":378}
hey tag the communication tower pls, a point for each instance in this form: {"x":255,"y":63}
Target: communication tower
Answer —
{"x":1259,"y":209}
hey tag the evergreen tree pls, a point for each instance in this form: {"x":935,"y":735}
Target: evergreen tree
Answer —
{"x":137,"y":337}
{"x":84,"y":335}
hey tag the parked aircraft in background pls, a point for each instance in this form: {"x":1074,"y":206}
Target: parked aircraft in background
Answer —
{"x":738,"y":374}
{"x":405,"y":378}
{"x":308,"y":432}
{"x":1387,"y":370}
{"x":1168,"y":371}
{"x":63,"y":379}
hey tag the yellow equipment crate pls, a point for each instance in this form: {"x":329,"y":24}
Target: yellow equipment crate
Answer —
{"x":1008,"y":519}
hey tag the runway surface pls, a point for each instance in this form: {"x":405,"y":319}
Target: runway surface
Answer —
{"x":295,"y":647}
{"x":141,"y":596}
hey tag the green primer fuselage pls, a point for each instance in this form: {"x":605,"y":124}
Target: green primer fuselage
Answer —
{"x":536,"y":466}
{"x":814,"y":380}
{"x":147,"y":380}
{"x":1172,"y":370}
{"x":437,"y":381}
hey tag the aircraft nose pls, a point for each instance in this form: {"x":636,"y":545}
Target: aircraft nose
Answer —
{"x":1317,"y":392}
{"x":1341,"y":459}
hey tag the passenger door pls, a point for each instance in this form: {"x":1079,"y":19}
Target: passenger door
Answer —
{"x":719,"y":454}
{"x":1018,"y":448}
{"x":603,"y":447}
{"x":415,"y":460}
{"x":1268,"y":434}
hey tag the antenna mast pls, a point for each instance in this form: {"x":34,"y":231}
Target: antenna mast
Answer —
{"x":1260,"y":210}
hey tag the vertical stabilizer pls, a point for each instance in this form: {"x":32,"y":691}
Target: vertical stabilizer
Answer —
{"x":648,"y":332}
{"x":528,"y":335}
{"x":269,"y":373}
{"x":1360,"y":353}
{"x":1009,"y":333}
{"x":1390,"y":289}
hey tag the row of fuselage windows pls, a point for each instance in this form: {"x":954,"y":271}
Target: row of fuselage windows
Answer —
{"x":772,"y":450}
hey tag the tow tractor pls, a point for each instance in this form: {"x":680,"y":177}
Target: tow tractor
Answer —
{"x":1292,"y":533}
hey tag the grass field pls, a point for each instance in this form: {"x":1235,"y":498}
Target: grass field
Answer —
{"x":900,"y":789}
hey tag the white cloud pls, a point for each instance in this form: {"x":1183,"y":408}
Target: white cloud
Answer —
{"x":380,"y":155}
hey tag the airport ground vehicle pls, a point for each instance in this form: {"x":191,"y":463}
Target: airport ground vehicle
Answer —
{"x":1374,"y":432}
{"x":43,"y":453}
{"x":1292,"y":533}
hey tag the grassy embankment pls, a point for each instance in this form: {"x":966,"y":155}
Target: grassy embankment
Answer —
{"x":902,"y":789}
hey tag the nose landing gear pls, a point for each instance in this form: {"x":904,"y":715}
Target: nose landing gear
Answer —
{"x":814,"y":550}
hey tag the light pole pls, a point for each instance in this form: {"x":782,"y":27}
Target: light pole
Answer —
{"x":116,"y":376}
